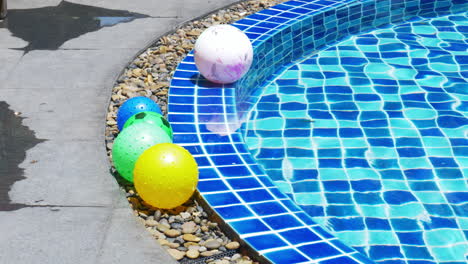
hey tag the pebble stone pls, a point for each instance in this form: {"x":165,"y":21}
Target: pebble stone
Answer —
{"x":177,"y":254}
{"x":209,"y":253}
{"x":185,"y":229}
{"x":236,"y":257}
{"x":191,"y":238}
{"x":172,"y":233}
{"x":193,"y":247}
{"x":163,"y":227}
{"x":189,"y":227}
{"x":192,"y":253}
{"x":173,"y":245}
{"x":150,"y":221}
{"x":202,"y":249}
{"x":233,"y":245}
{"x":204,"y":228}
{"x":212,"y":244}
{"x":190,"y":244}
{"x":185,"y":215}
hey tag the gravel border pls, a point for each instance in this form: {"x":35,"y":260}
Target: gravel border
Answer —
{"x":191,"y":233}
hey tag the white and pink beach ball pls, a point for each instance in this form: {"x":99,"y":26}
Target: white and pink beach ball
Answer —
{"x":223,"y":54}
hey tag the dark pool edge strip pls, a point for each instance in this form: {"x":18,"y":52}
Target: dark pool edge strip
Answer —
{"x":182,"y":88}
{"x":245,"y":248}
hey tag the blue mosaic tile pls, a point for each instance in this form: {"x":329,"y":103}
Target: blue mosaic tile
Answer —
{"x":299,"y":236}
{"x":233,"y":212}
{"x":355,"y":140}
{"x":217,"y":199}
{"x":319,"y":250}
{"x":244,"y":227}
{"x":262,"y":242}
{"x":255,"y":196}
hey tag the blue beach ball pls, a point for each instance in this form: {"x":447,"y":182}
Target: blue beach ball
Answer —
{"x":133,"y":106}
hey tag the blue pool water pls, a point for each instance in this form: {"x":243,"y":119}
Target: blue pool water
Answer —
{"x":369,"y":137}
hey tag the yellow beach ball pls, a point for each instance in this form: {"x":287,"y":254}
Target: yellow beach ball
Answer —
{"x":165,"y":175}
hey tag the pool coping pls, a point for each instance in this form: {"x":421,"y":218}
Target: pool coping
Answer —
{"x":231,"y":181}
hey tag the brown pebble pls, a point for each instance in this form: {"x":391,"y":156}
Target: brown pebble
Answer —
{"x":137,"y":72}
{"x":193,"y":254}
{"x":233,"y":245}
{"x":163,"y":227}
{"x":173,"y":245}
{"x":191,"y":238}
{"x":172,"y":233}
{"x":188,"y":244}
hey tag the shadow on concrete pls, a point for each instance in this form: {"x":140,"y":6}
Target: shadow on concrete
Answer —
{"x":15,"y":140}
{"x":47,"y":28}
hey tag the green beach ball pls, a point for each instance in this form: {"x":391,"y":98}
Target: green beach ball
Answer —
{"x":132,"y":142}
{"x":152,"y":118}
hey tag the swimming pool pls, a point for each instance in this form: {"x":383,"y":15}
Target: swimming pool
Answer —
{"x":368,"y":137}
{"x":357,"y":134}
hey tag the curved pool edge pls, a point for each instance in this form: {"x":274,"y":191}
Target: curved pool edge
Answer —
{"x":231,"y":181}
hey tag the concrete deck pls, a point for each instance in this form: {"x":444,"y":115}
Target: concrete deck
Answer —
{"x":69,"y":208}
